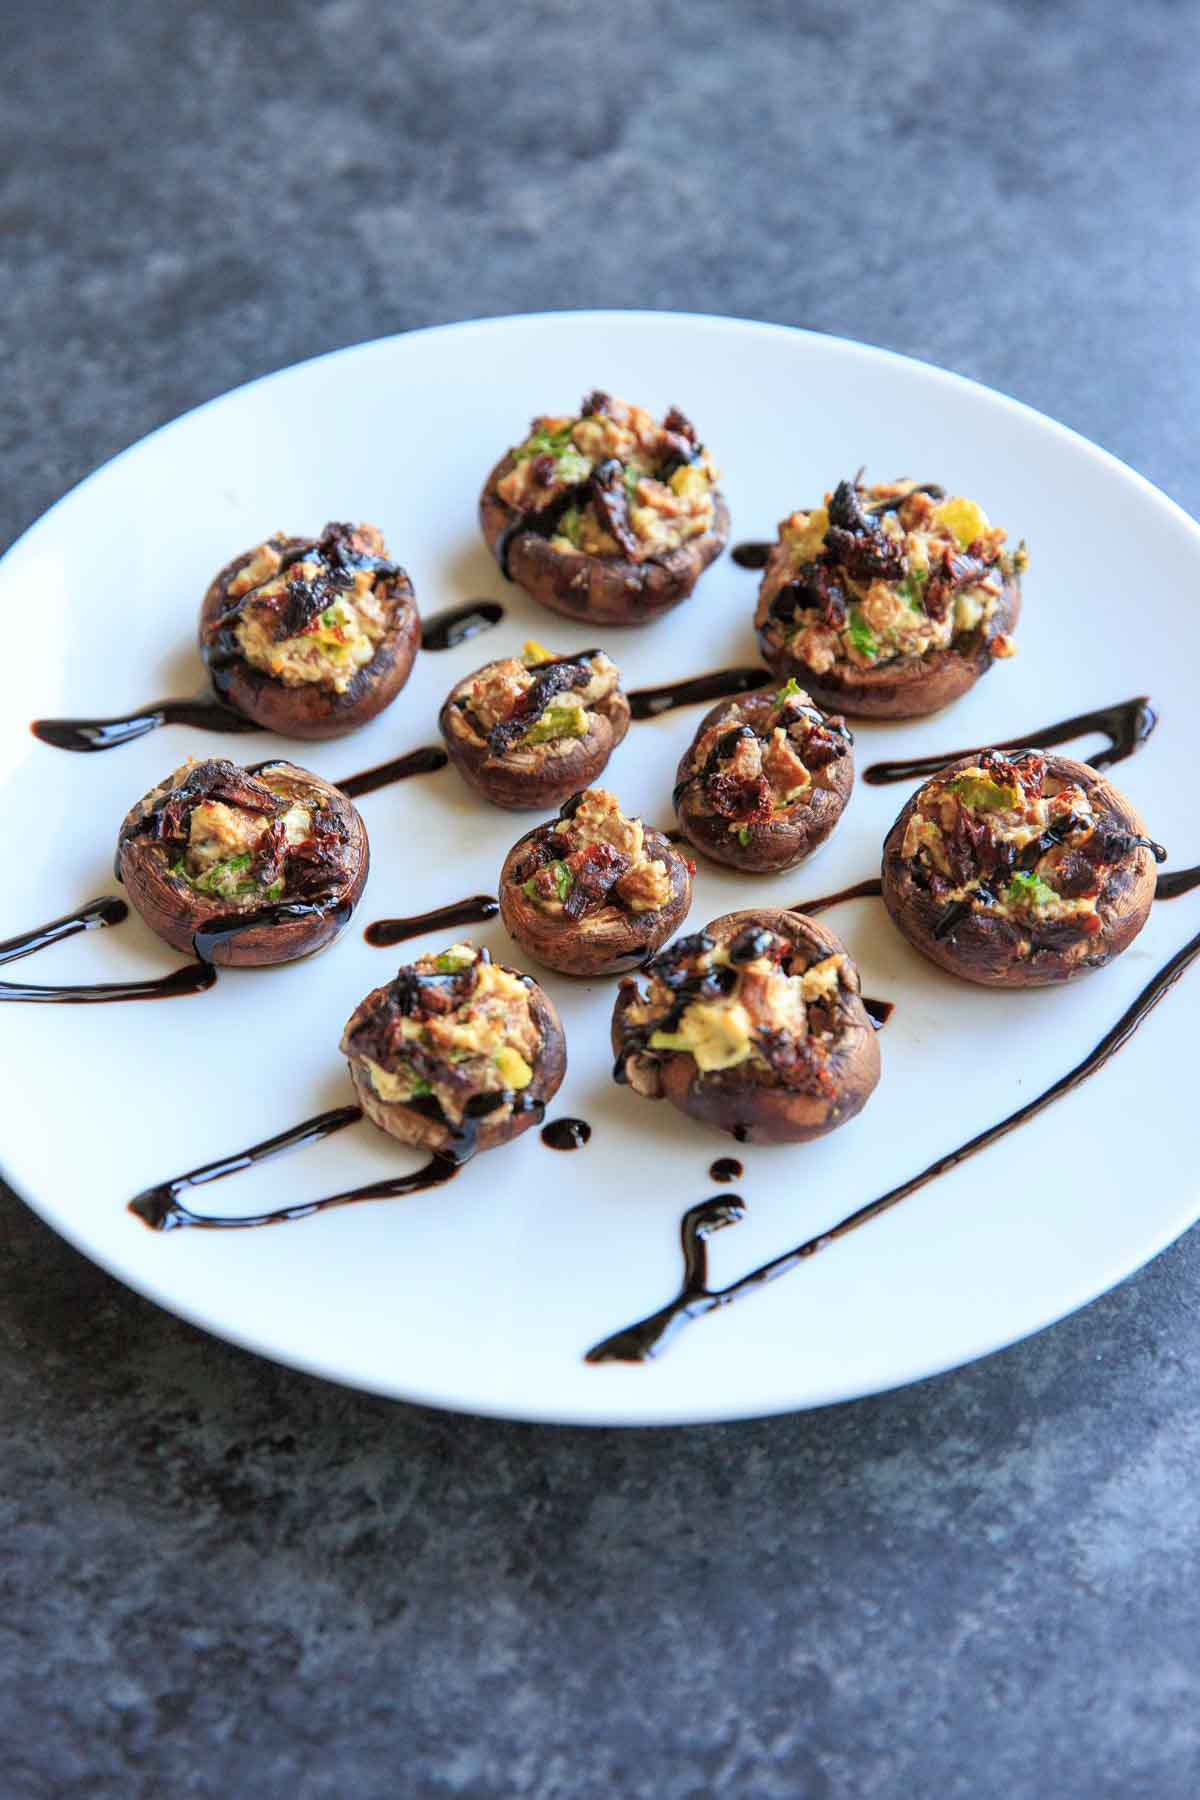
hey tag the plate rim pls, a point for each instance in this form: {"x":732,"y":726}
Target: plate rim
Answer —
{"x":673,"y":1414}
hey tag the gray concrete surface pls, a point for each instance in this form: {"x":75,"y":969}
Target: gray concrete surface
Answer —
{"x":221,"y":1578}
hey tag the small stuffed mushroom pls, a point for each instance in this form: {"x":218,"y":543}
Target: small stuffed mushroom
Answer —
{"x":244,"y":866}
{"x":607,"y":514}
{"x":457,"y":1054}
{"x":1019,"y":870}
{"x":766,"y":779}
{"x":528,"y":731}
{"x":311,"y":637}
{"x":754,"y":1025}
{"x":890,"y":601}
{"x":592,"y":892}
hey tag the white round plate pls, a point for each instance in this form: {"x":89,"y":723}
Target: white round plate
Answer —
{"x":484,"y":1295}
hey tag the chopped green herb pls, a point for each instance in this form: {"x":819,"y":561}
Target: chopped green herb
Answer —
{"x":451,"y":962}
{"x":788,"y":691}
{"x":983,"y":795}
{"x":1029,"y":889}
{"x":274,"y":892}
{"x":634,"y":473}
{"x":541,"y":442}
{"x":912,"y":588}
{"x":226,"y":880}
{"x":561,"y":719}
{"x":569,"y":525}
{"x":329,"y":617}
{"x":743,"y":836}
{"x":564,"y":881}
{"x":421,"y":1086}
{"x":572,"y":464}
{"x":861,"y":635}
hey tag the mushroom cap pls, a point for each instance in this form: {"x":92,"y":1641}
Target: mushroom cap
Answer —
{"x":1001,"y":952}
{"x":609,"y":590}
{"x":607,"y":942}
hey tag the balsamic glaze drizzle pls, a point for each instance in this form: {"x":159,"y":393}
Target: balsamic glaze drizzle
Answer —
{"x":193,"y":978}
{"x":752,"y":554}
{"x":648,"y":703}
{"x":460,"y":912}
{"x":871,"y":889}
{"x":225,"y":929}
{"x":1176,"y":882}
{"x":107,"y":910}
{"x":878,"y":1011}
{"x":646,"y":1338}
{"x":726,"y":1168}
{"x":566,"y":1134}
{"x":445,"y":630}
{"x":425,"y":761}
{"x":202,"y":711}
{"x":162,"y":1210}
{"x":1127,"y":725}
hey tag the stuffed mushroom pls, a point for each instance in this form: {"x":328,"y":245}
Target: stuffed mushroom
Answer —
{"x":244,"y":866}
{"x":457,"y":1053}
{"x":311,"y":637}
{"x":606,"y":514}
{"x":528,"y":731}
{"x":754,"y":1025}
{"x":889,"y":601}
{"x":765,"y":780}
{"x":593,"y":892}
{"x":1019,"y":870}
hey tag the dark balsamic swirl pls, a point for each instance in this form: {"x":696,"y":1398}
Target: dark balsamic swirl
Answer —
{"x":202,"y":711}
{"x":646,"y":1338}
{"x":161,"y":1208}
{"x":1127,"y":725}
{"x":446,"y":630}
{"x":193,"y":978}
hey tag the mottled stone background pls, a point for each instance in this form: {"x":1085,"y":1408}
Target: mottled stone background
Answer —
{"x":221,"y":1578}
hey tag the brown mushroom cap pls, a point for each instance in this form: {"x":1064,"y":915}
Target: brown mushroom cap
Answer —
{"x":750,"y":1100}
{"x":907,"y":687}
{"x":422,"y":1123}
{"x":608,"y":590}
{"x":998,"y":951}
{"x":531,"y":777}
{"x":260,"y":936}
{"x":311,"y":710}
{"x":606,"y":942}
{"x":776,"y":843}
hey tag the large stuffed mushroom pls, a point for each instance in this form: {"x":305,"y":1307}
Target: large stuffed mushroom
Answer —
{"x":765,"y":780}
{"x":311,"y":637}
{"x":1019,"y":870}
{"x":593,"y":892}
{"x":754,"y":1025}
{"x":889,"y":601}
{"x":528,"y":731}
{"x":608,"y":514}
{"x":457,"y":1053}
{"x":244,"y":866}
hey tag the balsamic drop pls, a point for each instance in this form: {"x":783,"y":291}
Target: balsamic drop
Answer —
{"x":425,"y":761}
{"x":445,"y":630}
{"x":1127,"y":725}
{"x":474,"y":911}
{"x":566,"y":1134}
{"x":752,"y":554}
{"x":202,"y":711}
{"x":648,"y":703}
